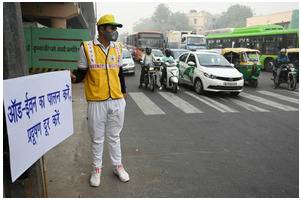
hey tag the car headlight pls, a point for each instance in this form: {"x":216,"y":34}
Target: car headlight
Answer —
{"x":209,"y":75}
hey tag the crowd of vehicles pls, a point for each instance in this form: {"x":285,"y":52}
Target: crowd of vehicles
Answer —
{"x":221,"y":61}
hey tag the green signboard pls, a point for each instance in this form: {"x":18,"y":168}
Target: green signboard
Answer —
{"x":54,"y":48}
{"x":27,"y":33}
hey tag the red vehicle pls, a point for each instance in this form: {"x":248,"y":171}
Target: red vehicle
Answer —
{"x":137,"y":43}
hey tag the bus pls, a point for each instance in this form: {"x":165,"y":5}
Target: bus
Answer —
{"x":137,"y":42}
{"x":268,"y":39}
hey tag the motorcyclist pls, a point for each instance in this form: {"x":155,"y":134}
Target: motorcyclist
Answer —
{"x":282,"y":58}
{"x":147,"y":61}
{"x":167,"y":58}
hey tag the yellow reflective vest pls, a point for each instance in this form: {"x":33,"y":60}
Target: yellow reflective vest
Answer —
{"x":102,"y":81}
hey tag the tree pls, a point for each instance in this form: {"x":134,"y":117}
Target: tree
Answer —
{"x":163,"y":19}
{"x":235,"y":16}
{"x":179,"y":21}
{"x":145,"y":24}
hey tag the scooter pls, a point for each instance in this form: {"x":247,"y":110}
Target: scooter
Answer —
{"x":172,"y":76}
{"x":287,"y":75}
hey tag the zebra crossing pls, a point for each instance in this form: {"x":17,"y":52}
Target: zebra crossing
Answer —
{"x":260,"y":101}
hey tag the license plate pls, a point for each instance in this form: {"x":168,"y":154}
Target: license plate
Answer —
{"x":230,"y":84}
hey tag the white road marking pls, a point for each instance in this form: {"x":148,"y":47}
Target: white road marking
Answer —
{"x":247,"y":106}
{"x":147,"y":106}
{"x":212,"y":103}
{"x":268,"y":102}
{"x":294,"y":93}
{"x":279,"y":96}
{"x":180,"y":103}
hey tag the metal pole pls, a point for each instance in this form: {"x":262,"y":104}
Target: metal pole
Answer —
{"x":44,"y":177}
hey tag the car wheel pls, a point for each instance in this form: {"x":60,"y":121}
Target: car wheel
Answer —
{"x":198,"y":86}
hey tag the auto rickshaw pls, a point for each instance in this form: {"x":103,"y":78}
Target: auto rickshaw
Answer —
{"x":293,"y":55}
{"x":246,"y":61}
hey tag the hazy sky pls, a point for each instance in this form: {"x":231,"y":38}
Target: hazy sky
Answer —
{"x":129,"y":12}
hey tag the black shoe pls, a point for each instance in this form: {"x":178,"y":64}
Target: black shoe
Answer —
{"x":140,"y":86}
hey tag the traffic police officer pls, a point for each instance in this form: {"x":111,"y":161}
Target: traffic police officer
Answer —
{"x":100,"y":68}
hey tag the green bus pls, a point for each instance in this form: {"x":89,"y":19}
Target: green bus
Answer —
{"x":268,"y":39}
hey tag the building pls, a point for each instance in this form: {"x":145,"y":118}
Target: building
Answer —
{"x":280,"y":18}
{"x":200,"y":21}
{"x":61,"y":15}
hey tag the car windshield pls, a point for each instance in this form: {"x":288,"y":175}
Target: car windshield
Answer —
{"x":196,"y":41}
{"x":126,"y":54}
{"x":252,"y":56}
{"x":157,"y":53}
{"x":213,"y":60}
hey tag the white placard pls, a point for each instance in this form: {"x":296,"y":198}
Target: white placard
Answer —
{"x":38,"y":112}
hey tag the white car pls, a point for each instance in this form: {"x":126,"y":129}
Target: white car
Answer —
{"x":158,"y":55}
{"x":208,"y":71}
{"x":128,"y":65}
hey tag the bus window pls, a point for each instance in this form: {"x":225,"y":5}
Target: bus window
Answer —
{"x":291,"y":41}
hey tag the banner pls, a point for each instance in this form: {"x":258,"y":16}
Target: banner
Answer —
{"x":38,"y":112}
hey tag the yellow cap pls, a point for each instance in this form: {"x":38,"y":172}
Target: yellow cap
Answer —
{"x":108,"y":19}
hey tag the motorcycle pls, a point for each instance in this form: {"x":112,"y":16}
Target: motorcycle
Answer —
{"x":150,"y":76}
{"x":172,"y":76}
{"x":287,"y":75}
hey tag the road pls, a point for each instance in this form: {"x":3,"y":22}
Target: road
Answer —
{"x":189,"y":145}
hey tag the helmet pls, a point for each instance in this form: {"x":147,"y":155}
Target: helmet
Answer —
{"x":148,"y":50}
{"x":108,"y":19}
{"x":167,"y":52}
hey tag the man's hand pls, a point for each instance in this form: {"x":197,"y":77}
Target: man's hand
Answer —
{"x":125,"y":95}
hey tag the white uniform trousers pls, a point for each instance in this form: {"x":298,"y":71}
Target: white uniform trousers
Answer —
{"x":105,"y":119}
